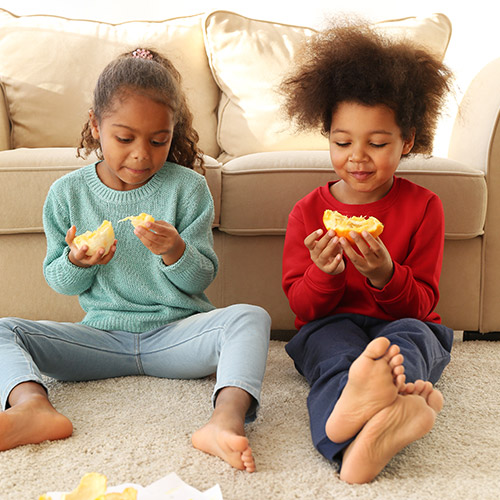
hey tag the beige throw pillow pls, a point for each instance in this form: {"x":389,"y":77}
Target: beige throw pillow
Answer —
{"x":249,"y":58}
{"x":49,"y":66}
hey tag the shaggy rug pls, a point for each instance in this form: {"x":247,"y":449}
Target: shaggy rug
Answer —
{"x":137,"y":429}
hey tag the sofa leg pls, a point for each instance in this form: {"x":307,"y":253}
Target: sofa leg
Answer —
{"x":475,"y":335}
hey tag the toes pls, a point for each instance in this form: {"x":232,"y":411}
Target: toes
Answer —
{"x":377,"y":348}
{"x":399,"y":382}
{"x":392,"y":352}
{"x":435,"y":400}
{"x":420,"y":385}
{"x":399,"y":378}
{"x":396,"y":360}
{"x":398,"y":370}
{"x":432,"y":396}
{"x":248,"y":460}
{"x":409,"y":388}
{"x":415,"y":388}
{"x":426,"y":389}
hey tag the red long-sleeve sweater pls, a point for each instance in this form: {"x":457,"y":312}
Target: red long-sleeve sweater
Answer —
{"x":414,"y":236}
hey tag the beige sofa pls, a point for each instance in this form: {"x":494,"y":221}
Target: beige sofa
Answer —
{"x":258,"y":167}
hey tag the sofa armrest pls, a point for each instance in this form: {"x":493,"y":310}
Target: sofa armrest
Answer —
{"x":4,"y":121}
{"x":475,"y":141}
{"x":212,"y":174}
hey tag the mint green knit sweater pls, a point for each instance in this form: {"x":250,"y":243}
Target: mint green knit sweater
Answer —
{"x":135,"y":291}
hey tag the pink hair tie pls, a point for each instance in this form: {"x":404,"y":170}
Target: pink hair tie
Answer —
{"x":142,"y":54}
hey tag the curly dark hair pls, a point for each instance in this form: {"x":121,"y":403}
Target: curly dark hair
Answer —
{"x":354,"y":62}
{"x":156,"y":77}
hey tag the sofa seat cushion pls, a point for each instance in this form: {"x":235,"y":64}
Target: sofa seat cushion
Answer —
{"x":48,"y":87}
{"x":250,"y":57}
{"x":261,"y":189}
{"x":27,"y":174}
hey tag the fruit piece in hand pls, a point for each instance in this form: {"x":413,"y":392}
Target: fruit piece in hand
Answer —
{"x":139,"y":220}
{"x":102,"y":237}
{"x":343,"y":225}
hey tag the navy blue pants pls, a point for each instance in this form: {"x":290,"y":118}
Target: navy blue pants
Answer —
{"x":324,"y":350}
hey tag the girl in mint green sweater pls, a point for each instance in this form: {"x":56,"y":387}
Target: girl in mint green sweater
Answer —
{"x":146,"y":311}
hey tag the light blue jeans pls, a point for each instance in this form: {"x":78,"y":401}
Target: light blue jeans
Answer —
{"x":232,"y":342}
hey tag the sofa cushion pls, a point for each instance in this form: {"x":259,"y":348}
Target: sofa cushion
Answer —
{"x":27,"y":174}
{"x":261,"y":189}
{"x":49,"y":66}
{"x":249,"y":58}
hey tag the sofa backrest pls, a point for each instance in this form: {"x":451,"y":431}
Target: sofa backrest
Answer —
{"x":49,"y":66}
{"x":249,"y":59}
{"x":231,"y":66}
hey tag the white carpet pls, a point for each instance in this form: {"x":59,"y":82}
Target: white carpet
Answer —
{"x":138,"y":429}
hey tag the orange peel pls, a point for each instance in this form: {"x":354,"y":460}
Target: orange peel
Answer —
{"x":93,"y":486}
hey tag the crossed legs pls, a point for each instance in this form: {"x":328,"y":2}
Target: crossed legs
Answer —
{"x":380,"y":411}
{"x":362,"y":409}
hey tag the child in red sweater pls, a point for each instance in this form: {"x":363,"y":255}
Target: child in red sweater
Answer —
{"x":369,"y":343}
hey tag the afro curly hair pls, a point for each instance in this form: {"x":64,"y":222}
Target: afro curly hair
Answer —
{"x":355,"y":62}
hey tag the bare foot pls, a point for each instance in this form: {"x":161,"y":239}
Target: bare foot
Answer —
{"x":407,"y":419}
{"x":32,"y":421}
{"x":375,"y":378}
{"x":426,"y":390}
{"x":231,"y":447}
{"x":224,"y":435}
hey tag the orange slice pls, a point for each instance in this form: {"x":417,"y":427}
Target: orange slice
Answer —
{"x":343,"y":225}
{"x":139,"y":220}
{"x":102,"y":237}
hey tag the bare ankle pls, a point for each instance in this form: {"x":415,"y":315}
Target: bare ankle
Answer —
{"x":25,"y":391}
{"x":31,"y":419}
{"x":233,"y":400}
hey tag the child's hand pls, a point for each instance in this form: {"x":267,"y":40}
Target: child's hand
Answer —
{"x":375,"y":262}
{"x":325,"y":252}
{"x":162,"y":239}
{"x":78,"y":256}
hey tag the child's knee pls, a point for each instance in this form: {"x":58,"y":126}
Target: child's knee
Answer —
{"x":252,"y":315}
{"x":251,"y":325}
{"x":262,"y":317}
{"x":7,"y":327}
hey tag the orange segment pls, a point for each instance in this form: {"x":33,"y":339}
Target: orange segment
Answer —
{"x":139,"y":220}
{"x":343,"y":225}
{"x":102,"y":237}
